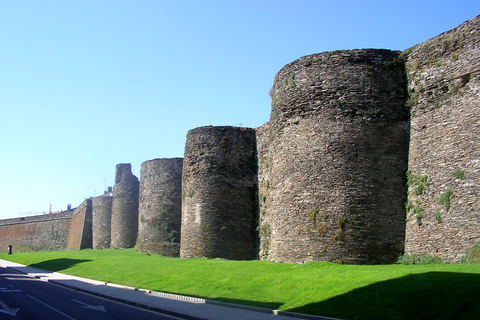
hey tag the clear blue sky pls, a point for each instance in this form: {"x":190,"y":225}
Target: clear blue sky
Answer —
{"x":85,"y":85}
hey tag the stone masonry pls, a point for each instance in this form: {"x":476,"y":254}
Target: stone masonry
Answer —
{"x":160,"y":207}
{"x":80,"y":235}
{"x":368,"y":154}
{"x":219,"y":194}
{"x":46,"y":232}
{"x":332,"y":165}
{"x":102,"y":220}
{"x":443,"y":208}
{"x":124,"y":221}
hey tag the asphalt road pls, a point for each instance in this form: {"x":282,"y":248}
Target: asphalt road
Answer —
{"x":24,"y":297}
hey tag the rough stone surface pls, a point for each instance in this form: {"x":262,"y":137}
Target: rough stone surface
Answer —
{"x":80,"y":236}
{"x":160,"y":207}
{"x":444,"y":87}
{"x":219,"y":194}
{"x":332,"y":165}
{"x":36,"y":233}
{"x":102,"y":220}
{"x":331,"y":168}
{"x":124,"y":208}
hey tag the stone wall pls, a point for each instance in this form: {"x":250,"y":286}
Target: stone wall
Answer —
{"x":332,"y":165}
{"x":124,"y":208}
{"x":102,"y":221}
{"x":80,"y":236}
{"x":219,"y":194}
{"x":444,"y":85}
{"x":324,"y":179}
{"x":36,"y":233}
{"x":160,"y":207}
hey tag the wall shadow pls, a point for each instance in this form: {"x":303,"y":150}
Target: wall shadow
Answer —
{"x":56,"y":265}
{"x":234,"y":302}
{"x":432,"y":295}
{"x":256,"y":304}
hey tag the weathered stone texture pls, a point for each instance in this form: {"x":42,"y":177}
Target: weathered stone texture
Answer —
{"x":324,"y":179}
{"x":444,"y":87}
{"x":80,"y":236}
{"x":124,"y":208}
{"x":332,"y":167}
{"x":219,"y":194}
{"x":102,"y":221}
{"x":160,"y":207}
{"x":263,"y":139}
{"x":47,"y":232}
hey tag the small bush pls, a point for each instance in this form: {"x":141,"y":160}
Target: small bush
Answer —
{"x":445,"y":198}
{"x":341,"y":222}
{"x":418,"y":259}
{"x":458,"y":173}
{"x":473,"y":254}
{"x":262,"y":198}
{"x":419,"y":183}
{"x":312,"y":214}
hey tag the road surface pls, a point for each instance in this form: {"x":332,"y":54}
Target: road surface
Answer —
{"x":24,"y":297}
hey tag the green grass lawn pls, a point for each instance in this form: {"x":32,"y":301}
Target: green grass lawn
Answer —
{"x":441,"y":291}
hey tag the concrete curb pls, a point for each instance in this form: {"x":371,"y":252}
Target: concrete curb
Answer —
{"x":129,"y":302}
{"x":196,"y":300}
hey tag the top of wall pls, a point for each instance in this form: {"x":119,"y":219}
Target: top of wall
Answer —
{"x":454,"y":52}
{"x":452,"y":41}
{"x":339,"y":85}
{"x":440,"y":66}
{"x":39,"y":218}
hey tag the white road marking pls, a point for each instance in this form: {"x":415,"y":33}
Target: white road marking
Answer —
{"x":7,"y":310}
{"x":49,"y":306}
{"x":87,"y":306}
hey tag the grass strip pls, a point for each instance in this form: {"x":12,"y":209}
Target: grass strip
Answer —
{"x":440,"y":291}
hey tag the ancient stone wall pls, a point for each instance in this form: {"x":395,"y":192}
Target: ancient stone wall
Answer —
{"x":46,"y":232}
{"x":332,"y":160}
{"x":263,"y":139}
{"x":124,"y":208}
{"x":444,"y":162}
{"x":324,"y":179}
{"x":80,"y":236}
{"x":219,"y":194}
{"x":160,"y":207}
{"x":102,"y":220}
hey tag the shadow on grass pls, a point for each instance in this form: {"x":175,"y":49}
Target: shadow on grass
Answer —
{"x":432,"y":295}
{"x":257,"y":304}
{"x":58,"y":264}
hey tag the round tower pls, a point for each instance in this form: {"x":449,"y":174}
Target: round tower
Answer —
{"x":332,"y":160}
{"x":160,"y":207}
{"x":219,"y":194}
{"x":101,"y":221}
{"x":124,"y":208}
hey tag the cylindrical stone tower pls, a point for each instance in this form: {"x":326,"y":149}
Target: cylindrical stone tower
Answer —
{"x":124,"y":208}
{"x":332,"y":160}
{"x":219,"y":194}
{"x":160,"y":207}
{"x":101,"y":221}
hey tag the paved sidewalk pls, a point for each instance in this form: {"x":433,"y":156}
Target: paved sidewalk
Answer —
{"x":181,"y":306}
